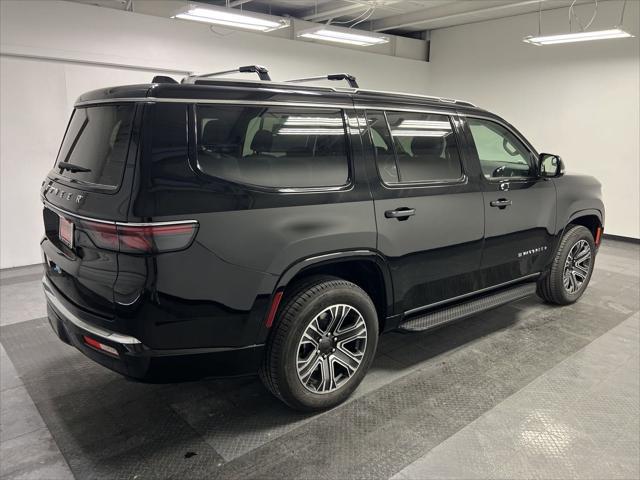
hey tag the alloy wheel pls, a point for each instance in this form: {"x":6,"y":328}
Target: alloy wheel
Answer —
{"x":577,"y":267}
{"x":331,"y":349}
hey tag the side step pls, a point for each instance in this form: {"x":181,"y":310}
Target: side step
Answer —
{"x":458,"y":311}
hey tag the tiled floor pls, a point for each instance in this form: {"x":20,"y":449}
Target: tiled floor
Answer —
{"x":578,"y":420}
{"x":524,"y":391}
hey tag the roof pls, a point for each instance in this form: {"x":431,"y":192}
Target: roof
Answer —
{"x":237,"y":89}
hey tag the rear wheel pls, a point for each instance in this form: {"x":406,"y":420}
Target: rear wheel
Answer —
{"x":571,"y":269}
{"x":322,"y":344}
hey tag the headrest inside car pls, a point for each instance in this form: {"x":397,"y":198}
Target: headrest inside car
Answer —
{"x":212,"y":134}
{"x":428,"y":145}
{"x":262,"y":141}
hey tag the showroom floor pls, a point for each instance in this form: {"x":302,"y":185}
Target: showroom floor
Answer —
{"x":524,"y":391}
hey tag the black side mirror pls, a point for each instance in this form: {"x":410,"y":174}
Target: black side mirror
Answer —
{"x":550,"y":165}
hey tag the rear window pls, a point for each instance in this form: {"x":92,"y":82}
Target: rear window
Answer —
{"x":273,"y":147}
{"x":97,"y":139}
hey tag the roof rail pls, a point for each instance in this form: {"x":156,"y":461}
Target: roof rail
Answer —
{"x":162,"y":79}
{"x":350,"y":79}
{"x":262,"y":72}
{"x":417,"y":95}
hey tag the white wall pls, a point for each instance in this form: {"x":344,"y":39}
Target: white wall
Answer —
{"x":578,"y":100}
{"x":51,"y":52}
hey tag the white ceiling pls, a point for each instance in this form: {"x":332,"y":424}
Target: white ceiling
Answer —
{"x":404,"y":17}
{"x":398,"y":16}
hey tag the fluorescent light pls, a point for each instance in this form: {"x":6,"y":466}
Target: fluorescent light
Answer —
{"x":310,"y":131}
{"x":362,"y":39}
{"x":312,"y":121}
{"x":427,"y":124}
{"x":577,"y":37}
{"x":232,"y":18}
{"x":418,"y":133}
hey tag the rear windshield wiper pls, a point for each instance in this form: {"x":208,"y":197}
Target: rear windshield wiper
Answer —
{"x":72,"y":167}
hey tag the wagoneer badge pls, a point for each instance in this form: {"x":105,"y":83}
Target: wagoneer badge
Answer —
{"x":62,"y":194}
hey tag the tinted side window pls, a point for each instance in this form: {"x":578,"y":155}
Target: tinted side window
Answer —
{"x":169,"y":147}
{"x":383,"y":145}
{"x":500,"y":152}
{"x":273,"y":146}
{"x":424,"y":146}
{"x":97,"y":139}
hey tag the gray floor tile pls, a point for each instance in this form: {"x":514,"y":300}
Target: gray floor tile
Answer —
{"x":27,"y":448}
{"x":18,"y":414}
{"x":21,"y":301}
{"x":578,"y":420}
{"x":9,"y":378}
{"x":33,"y":456}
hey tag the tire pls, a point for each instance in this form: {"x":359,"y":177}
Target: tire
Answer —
{"x":318,"y":301}
{"x":553,"y":287}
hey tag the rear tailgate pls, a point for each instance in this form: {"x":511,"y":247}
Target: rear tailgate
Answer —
{"x":84,"y":195}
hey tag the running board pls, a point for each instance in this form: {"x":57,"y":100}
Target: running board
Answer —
{"x":459,"y":311}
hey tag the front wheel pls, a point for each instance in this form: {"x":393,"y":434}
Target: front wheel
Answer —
{"x":322,"y":344}
{"x":571,"y":270}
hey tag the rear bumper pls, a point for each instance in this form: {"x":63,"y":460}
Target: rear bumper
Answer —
{"x":136,"y":360}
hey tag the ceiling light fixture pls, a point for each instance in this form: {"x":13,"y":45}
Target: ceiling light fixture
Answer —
{"x":583,"y":35}
{"x":577,"y":37}
{"x":232,"y":18}
{"x":331,"y":34}
{"x":309,"y":131}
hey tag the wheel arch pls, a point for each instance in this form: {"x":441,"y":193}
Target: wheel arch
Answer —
{"x":365,"y":268}
{"x":591,"y":219}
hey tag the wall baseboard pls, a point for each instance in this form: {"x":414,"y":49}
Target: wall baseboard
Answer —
{"x":620,"y":238}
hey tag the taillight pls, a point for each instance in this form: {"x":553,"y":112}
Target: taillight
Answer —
{"x":100,"y":346}
{"x":103,"y":235}
{"x":156,"y":238}
{"x":140,"y":239}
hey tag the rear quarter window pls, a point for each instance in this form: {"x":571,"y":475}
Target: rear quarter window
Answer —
{"x":273,"y":147}
{"x":97,"y":139}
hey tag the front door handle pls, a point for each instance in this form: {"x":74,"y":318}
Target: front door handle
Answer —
{"x":501,"y":203}
{"x":400,"y":213}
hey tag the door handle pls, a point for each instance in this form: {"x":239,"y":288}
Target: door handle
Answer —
{"x":402,"y":213}
{"x":501,"y":203}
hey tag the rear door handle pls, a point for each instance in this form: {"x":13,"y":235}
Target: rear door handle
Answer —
{"x":501,"y":203}
{"x":400,"y":213}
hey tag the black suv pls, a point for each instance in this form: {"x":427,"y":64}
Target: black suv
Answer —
{"x":224,"y":227}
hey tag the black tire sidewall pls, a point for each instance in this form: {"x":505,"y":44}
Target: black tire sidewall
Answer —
{"x":291,"y":388}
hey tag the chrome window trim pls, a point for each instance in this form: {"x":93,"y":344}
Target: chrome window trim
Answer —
{"x":113,"y":222}
{"x":78,"y":322}
{"x":430,"y":184}
{"x":470,"y":294}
